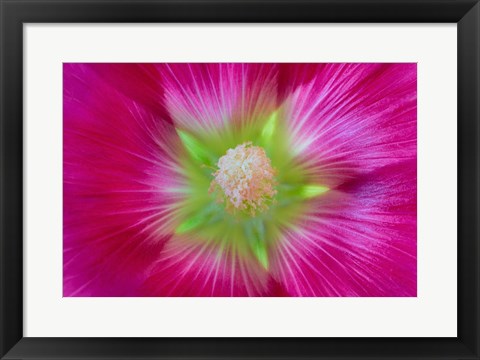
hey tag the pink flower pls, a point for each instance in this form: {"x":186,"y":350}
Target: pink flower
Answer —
{"x":240,"y":180}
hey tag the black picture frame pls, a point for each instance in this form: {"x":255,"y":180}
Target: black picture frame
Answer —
{"x":14,"y":13}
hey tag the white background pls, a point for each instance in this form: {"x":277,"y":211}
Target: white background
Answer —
{"x":432,"y":313}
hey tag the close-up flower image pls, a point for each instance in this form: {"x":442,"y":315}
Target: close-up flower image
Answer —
{"x":239,"y":179}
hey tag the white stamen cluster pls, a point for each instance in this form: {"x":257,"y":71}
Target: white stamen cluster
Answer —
{"x":246,"y":177}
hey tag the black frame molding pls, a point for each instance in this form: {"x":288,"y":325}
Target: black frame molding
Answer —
{"x":14,"y":13}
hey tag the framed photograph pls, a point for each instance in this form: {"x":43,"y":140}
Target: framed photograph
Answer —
{"x":239,"y":179}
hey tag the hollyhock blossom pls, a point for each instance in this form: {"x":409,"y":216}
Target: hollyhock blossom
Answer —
{"x":239,"y":180}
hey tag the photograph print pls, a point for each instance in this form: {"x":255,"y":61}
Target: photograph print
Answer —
{"x":239,"y":179}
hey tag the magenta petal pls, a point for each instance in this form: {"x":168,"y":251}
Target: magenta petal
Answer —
{"x":189,"y":267}
{"x":349,"y":119}
{"x":138,"y":82}
{"x":208,"y":96}
{"x":119,"y":161}
{"x":360,"y":240}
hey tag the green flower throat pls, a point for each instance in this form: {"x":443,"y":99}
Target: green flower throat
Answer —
{"x":243,"y":186}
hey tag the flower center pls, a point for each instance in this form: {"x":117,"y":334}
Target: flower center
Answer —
{"x":245,"y":178}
